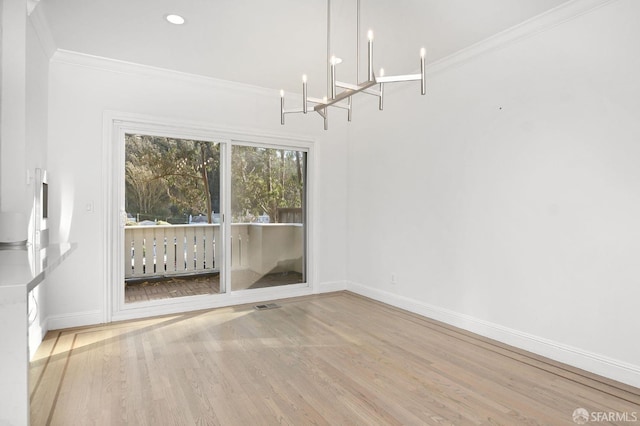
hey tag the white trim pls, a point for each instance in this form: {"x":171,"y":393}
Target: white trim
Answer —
{"x":115,"y":124}
{"x":198,"y":129}
{"x":43,"y":32}
{"x":331,"y":286}
{"x":106,"y":224}
{"x":31,"y":5}
{"x":63,"y":56}
{"x":588,"y":361}
{"x":197,"y":303}
{"x":538,"y":24}
{"x":76,"y":319}
{"x":225,"y":200}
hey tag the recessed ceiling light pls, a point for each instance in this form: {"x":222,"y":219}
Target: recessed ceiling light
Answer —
{"x":175,"y":19}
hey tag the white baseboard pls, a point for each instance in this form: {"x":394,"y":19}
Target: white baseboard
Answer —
{"x":188,"y":304}
{"x":196,"y":303}
{"x":331,"y":286}
{"x":595,"y":363}
{"x":76,"y":319}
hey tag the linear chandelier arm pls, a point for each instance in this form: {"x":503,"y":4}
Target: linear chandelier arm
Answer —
{"x":399,"y":78}
{"x":322,"y":107}
{"x":343,"y":106}
{"x":349,"y":86}
{"x":346,"y":94}
{"x":356,"y":88}
{"x":316,"y":100}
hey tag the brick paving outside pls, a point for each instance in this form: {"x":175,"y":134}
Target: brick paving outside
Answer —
{"x":208,"y":284}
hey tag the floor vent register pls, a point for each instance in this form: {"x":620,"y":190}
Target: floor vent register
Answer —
{"x":266,"y":306}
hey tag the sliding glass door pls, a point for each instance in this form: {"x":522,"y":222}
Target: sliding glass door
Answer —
{"x":205,"y":218}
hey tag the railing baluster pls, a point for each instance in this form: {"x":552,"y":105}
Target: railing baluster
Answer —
{"x":170,"y":241}
{"x":208,"y":248}
{"x":149,"y":248}
{"x":175,"y":249}
{"x":189,"y":245}
{"x":128,"y":255}
{"x":199,"y":248}
{"x":138,"y":254}
{"x":215,"y":248}
{"x":180,"y":251}
{"x":244,"y":246}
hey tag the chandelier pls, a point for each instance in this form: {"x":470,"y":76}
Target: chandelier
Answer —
{"x":342,"y":99}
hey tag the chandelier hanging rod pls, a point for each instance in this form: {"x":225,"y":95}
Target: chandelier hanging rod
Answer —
{"x":333,"y":98}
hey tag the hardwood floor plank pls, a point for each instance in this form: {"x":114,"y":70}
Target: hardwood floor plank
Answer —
{"x":319,"y":360}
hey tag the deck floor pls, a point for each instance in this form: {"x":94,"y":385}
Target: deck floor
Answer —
{"x":205,"y":284}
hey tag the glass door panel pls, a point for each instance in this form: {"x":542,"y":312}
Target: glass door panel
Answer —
{"x":172,"y":234}
{"x":268,"y":207}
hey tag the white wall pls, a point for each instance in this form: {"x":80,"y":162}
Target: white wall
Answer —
{"x":507,"y":200}
{"x":83,"y":88}
{"x":37,"y":87}
{"x":23,"y":123}
{"x":13,"y":51}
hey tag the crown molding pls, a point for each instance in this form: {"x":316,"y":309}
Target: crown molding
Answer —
{"x":31,"y":5}
{"x":131,"y":68}
{"x":43,"y":32}
{"x":536,"y":25}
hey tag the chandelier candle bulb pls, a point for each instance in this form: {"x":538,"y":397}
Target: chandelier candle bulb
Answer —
{"x":380,"y":99}
{"x":423,"y":80}
{"x":304,"y":93}
{"x":282,"y":107}
{"x":370,"y":55}
{"x":325,"y":114}
{"x":333,"y":77}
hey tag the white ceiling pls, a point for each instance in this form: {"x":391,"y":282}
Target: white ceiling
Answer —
{"x":271,"y":43}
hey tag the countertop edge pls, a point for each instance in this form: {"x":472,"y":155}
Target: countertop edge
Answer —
{"x":24,"y":269}
{"x":52,"y":263}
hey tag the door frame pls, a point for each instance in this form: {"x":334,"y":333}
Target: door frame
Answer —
{"x":115,"y":125}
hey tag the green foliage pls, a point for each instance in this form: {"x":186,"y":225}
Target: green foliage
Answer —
{"x":168,"y":177}
{"x":264,"y":180}
{"x":144,"y":193}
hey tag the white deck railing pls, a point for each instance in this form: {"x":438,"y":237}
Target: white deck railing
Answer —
{"x":179,"y":249}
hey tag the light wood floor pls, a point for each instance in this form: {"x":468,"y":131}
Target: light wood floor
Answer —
{"x":336,"y":359}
